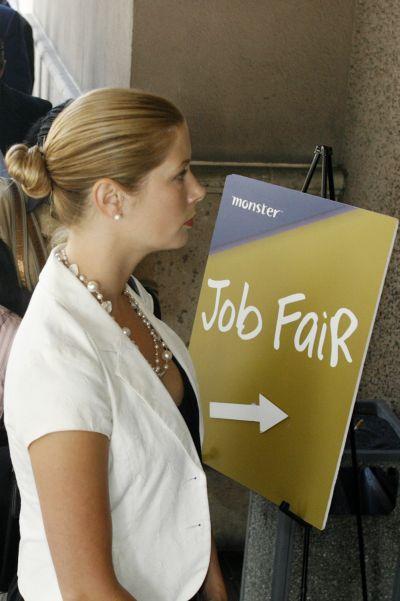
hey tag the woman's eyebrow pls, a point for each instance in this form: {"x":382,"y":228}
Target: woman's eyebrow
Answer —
{"x":185,"y":162}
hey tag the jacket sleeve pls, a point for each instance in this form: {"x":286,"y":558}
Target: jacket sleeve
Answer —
{"x":55,"y":390}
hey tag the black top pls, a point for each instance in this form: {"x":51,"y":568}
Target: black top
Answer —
{"x":189,"y":409}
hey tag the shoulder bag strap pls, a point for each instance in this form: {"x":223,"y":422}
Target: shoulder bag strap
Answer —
{"x":20,"y":238}
{"x":26,"y":224}
{"x":37,"y":240}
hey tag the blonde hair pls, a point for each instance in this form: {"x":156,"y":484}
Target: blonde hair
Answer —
{"x":117,"y":133}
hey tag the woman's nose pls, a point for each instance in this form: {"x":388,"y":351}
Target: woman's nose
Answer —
{"x":197,"y":192}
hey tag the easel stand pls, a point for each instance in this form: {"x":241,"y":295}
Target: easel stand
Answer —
{"x":287,"y":519}
{"x":324,"y":153}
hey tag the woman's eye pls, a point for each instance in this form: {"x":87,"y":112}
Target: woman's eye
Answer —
{"x":182,"y":174}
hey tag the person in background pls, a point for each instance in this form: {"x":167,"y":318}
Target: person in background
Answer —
{"x":26,"y":224}
{"x":18,"y":110}
{"x":101,"y":397}
{"x":9,"y":323}
{"x":9,"y":316}
{"x":3,"y":168}
{"x":16,"y":33}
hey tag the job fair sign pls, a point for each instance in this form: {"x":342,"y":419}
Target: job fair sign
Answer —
{"x":286,"y":310}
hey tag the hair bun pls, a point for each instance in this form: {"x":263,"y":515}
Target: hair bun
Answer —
{"x":28,"y":167}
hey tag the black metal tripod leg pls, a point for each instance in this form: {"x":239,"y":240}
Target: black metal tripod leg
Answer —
{"x":330,"y":177}
{"x":396,"y":584}
{"x":357,"y":488}
{"x":283,"y":558}
{"x":306,"y":554}
{"x":311,"y":170}
{"x":324,"y":174}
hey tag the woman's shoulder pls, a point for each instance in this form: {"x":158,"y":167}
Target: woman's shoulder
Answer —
{"x":52,"y":351}
{"x":50,"y":334}
{"x":55,"y":378}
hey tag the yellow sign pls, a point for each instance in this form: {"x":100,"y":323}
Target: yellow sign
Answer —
{"x":285,"y":314}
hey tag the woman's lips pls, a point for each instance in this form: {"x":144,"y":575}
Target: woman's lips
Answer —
{"x":189,"y":223}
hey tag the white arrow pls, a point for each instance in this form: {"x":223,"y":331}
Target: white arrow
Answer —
{"x":266,"y":412}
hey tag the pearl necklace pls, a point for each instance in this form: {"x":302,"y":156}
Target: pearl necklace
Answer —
{"x":162,"y":354}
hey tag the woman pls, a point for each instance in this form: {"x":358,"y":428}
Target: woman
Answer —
{"x":99,"y":402}
{"x":26,"y":224}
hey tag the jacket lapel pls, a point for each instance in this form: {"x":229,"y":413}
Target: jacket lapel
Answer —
{"x":134,"y":370}
{"x":177,"y":347}
{"x":182,"y":355}
{"x":132,"y":367}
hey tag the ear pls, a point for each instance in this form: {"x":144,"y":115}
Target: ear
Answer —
{"x":108,"y":198}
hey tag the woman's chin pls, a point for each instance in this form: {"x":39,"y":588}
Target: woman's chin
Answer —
{"x":182,"y":237}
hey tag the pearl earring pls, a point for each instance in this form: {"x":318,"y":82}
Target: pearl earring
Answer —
{"x":118,"y":216}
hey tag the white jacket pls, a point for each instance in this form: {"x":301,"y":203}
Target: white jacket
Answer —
{"x":72,"y":368}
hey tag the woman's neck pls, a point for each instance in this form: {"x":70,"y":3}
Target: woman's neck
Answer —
{"x":102,"y":260}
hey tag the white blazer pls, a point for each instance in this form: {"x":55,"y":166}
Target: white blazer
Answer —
{"x":72,"y":368}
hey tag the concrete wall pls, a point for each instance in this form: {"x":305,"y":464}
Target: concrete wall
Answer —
{"x":372,"y":159}
{"x":257,"y":80}
{"x":92,"y":37}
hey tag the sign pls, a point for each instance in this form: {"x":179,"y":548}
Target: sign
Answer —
{"x":289,"y":297}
